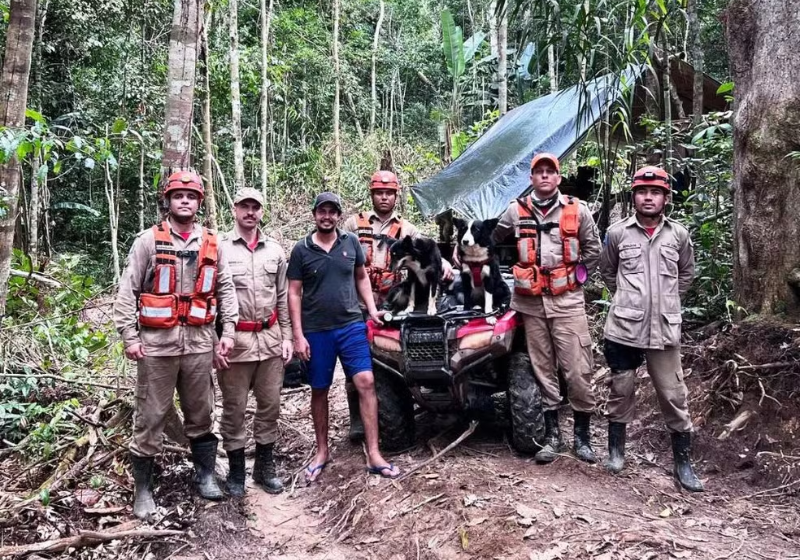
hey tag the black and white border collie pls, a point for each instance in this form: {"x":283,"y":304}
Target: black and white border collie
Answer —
{"x":483,"y":285}
{"x":421,"y":258}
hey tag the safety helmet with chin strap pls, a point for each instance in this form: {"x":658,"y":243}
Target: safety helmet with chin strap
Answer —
{"x":651,"y":176}
{"x":184,"y":181}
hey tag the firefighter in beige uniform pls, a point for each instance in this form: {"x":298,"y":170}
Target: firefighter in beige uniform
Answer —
{"x":648,"y":264}
{"x":175,"y":281}
{"x":262,"y":346}
{"x":558,"y":247}
{"x":375,"y":230}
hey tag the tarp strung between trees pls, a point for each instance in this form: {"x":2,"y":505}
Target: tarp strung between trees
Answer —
{"x":495,"y":169}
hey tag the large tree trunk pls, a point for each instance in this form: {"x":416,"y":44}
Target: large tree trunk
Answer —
{"x":236,"y":102}
{"x":13,"y":100}
{"x":337,"y":141}
{"x":696,"y":57}
{"x":375,"y":42}
{"x":208,"y":144}
{"x":763,"y":43}
{"x":183,"y":43}
{"x":266,"y":20}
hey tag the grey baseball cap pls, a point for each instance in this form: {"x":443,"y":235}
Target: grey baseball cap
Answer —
{"x":248,"y":194}
{"x":328,"y":197}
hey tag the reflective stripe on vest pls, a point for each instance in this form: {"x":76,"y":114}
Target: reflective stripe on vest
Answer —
{"x":155,"y":311}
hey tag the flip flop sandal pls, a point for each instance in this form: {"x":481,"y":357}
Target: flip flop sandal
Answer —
{"x":379,"y":471}
{"x":314,"y":472}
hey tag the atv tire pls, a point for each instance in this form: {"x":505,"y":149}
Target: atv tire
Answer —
{"x":395,"y":411}
{"x":525,"y":405}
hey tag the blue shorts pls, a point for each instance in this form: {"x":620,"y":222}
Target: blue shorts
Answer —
{"x":349,"y":344}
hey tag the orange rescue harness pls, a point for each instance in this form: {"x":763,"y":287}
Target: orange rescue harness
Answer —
{"x":380,"y":276}
{"x":530,"y":277}
{"x":163,"y":308}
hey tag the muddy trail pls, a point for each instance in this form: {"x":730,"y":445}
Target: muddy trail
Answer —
{"x":481,"y":500}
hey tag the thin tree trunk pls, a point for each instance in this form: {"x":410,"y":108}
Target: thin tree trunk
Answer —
{"x":502,"y":61}
{"x":112,"y":198}
{"x":551,"y":61}
{"x":667,"y":106}
{"x":35,"y":206}
{"x":337,"y":143}
{"x":696,"y":57}
{"x":375,"y":43}
{"x":208,"y":145}
{"x":141,"y":185}
{"x":182,"y":60}
{"x":266,"y":21}
{"x":762,"y":43}
{"x":13,"y":101}
{"x":33,"y":213}
{"x":236,"y":102}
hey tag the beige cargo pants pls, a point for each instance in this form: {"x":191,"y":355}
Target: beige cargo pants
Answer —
{"x":561,"y":341}
{"x":666,"y":373}
{"x":265,"y":378}
{"x":156,"y":380}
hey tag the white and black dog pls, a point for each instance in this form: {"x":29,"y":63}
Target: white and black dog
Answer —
{"x":421,"y":258}
{"x":483,"y":285}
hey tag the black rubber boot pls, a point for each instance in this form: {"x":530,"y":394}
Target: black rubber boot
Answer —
{"x":143,"y":504}
{"x":616,"y":447}
{"x":264,"y":471}
{"x":204,"y":457}
{"x":356,"y":434}
{"x":235,"y":482}
{"x":582,"y":439}
{"x":553,"y":444}
{"x":684,"y":473}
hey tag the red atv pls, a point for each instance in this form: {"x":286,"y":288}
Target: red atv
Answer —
{"x":453,"y":362}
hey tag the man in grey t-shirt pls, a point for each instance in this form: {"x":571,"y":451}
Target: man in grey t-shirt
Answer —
{"x":326,"y":275}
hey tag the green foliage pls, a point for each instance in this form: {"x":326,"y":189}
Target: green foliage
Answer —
{"x":452,"y":45}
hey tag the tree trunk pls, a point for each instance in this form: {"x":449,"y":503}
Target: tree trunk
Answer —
{"x":13,"y":100}
{"x":551,"y":63}
{"x":236,"y":103}
{"x":375,"y":43}
{"x":696,"y":57}
{"x":33,"y":213}
{"x":667,"y":96}
{"x":182,"y":59}
{"x":337,"y":141}
{"x":208,"y":144}
{"x":141,"y":184}
{"x":502,"y":63}
{"x":266,"y":20}
{"x":763,"y":44}
{"x":35,"y":206}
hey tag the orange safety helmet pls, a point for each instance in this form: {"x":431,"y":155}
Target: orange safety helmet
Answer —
{"x":184,"y":181}
{"x":651,"y":176}
{"x":384,"y":180}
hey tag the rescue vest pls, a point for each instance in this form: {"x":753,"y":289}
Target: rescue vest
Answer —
{"x":380,"y":275}
{"x":530,"y":277}
{"x":162,"y":308}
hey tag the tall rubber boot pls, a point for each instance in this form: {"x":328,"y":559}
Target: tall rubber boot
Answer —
{"x":236,"y":474}
{"x":684,"y":473}
{"x":553,"y":444}
{"x":582,"y":439}
{"x":264,"y":471}
{"x":204,"y":457}
{"x":616,"y":447}
{"x":143,"y":504}
{"x":356,"y":434}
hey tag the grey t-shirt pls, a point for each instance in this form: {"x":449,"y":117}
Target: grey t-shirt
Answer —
{"x":330,"y":300}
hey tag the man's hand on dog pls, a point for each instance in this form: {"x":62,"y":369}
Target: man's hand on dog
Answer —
{"x":447,"y":271}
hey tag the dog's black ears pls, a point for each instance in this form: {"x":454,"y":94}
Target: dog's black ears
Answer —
{"x":491,"y":224}
{"x":408,"y":242}
{"x":460,"y":224}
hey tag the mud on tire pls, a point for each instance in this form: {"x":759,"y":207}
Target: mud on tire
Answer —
{"x":524,"y":404}
{"x":395,"y":411}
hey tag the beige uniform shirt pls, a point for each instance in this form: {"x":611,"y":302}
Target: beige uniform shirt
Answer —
{"x":261,"y":287}
{"x":138,"y":278}
{"x":552,"y":254}
{"x":648,"y":277}
{"x":381,"y":228}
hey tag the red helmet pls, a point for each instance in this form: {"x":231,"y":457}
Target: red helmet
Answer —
{"x":384,"y":180}
{"x":184,"y":181}
{"x":651,"y":176}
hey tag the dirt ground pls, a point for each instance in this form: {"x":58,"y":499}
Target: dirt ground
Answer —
{"x":483,"y":501}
